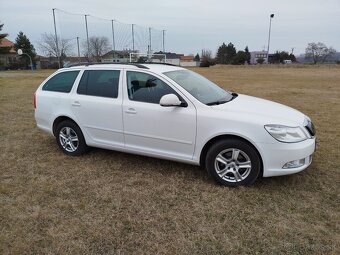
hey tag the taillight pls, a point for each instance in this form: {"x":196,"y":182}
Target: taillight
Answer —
{"x":35,"y":101}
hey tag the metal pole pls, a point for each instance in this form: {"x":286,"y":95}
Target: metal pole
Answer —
{"x":133,"y":38}
{"x":113,"y":40}
{"x":150,"y":39}
{"x":78,"y":49}
{"x":87,"y":38}
{"x":270,"y":26}
{"x":163,"y":41}
{"x":56,"y":37}
{"x":30,"y":60}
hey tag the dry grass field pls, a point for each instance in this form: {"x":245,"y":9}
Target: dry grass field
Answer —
{"x":107,"y":202}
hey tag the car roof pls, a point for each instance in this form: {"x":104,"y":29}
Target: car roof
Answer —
{"x":158,"y":68}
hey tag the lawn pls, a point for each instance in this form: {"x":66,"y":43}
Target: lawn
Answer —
{"x":107,"y":202}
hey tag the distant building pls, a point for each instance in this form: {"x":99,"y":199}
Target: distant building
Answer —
{"x":117,"y":56}
{"x":188,"y":61}
{"x":255,"y":55}
{"x":9,"y":59}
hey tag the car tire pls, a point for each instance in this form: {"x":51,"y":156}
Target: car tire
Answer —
{"x":233,"y":162}
{"x":70,"y":138}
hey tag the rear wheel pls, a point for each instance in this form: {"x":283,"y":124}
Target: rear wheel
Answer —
{"x":70,"y":139}
{"x":233,"y":162}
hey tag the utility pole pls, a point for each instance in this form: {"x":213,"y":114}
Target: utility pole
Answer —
{"x":78,"y":49}
{"x":87,"y":38}
{"x":150,"y":40}
{"x":163,"y":41}
{"x":113,"y":40}
{"x":270,"y":26}
{"x":56,"y":37}
{"x":133,"y":37}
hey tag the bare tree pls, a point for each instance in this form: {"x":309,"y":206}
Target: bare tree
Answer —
{"x":49,"y":46}
{"x":206,"y":58}
{"x":98,"y":46}
{"x":318,"y":52}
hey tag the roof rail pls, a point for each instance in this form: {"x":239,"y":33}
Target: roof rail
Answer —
{"x":139,"y":65}
{"x":106,"y":63}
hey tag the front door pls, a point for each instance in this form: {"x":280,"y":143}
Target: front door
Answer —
{"x":151,"y":128}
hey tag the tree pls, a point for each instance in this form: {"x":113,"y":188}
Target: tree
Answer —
{"x":225,"y":53}
{"x":22,"y":42}
{"x":98,"y":46}
{"x":318,"y":52}
{"x":240,"y":58}
{"x":206,"y":59}
{"x":221,"y":54}
{"x":197,"y":57}
{"x":246,"y":50}
{"x":49,"y":46}
{"x":281,"y":56}
{"x":260,"y":61}
{"x":2,"y":36}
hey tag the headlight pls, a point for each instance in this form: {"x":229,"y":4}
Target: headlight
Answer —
{"x":286,"y":134}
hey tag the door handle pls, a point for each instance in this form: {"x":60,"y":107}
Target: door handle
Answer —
{"x":76,"y":103}
{"x":131,"y":111}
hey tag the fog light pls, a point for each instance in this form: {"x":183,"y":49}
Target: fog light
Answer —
{"x":294,"y":163}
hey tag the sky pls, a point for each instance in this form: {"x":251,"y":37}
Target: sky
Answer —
{"x":190,"y":25}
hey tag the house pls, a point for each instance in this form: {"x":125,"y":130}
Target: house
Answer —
{"x":171,"y":57}
{"x":188,"y":61}
{"x":256,"y":55}
{"x":9,"y":58}
{"x":117,"y":56}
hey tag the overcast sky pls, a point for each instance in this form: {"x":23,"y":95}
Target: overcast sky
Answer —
{"x":190,"y":25}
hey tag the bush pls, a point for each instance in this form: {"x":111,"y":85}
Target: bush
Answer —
{"x":260,"y":61}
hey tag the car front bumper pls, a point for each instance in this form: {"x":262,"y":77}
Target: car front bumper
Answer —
{"x":276,"y":155}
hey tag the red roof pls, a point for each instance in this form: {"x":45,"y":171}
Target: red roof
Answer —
{"x":7,"y":43}
{"x":187,"y":58}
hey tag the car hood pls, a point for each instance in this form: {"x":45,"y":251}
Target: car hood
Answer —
{"x":268,"y":112}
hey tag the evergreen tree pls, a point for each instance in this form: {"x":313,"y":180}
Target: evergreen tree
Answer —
{"x":22,"y":42}
{"x":197,"y":57}
{"x":246,"y":50}
{"x":225,"y":53}
{"x":280,"y":56}
{"x":231,"y":53}
{"x":2,"y":36}
{"x":221,"y":54}
{"x":240,"y":58}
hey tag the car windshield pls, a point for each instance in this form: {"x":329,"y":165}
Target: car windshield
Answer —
{"x":199,"y":87}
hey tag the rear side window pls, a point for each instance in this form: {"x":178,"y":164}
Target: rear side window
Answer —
{"x":61,"y":82}
{"x":102,"y":83}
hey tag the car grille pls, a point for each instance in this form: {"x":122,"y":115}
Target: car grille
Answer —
{"x":310,"y":127}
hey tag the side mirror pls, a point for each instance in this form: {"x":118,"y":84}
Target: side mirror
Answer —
{"x":171,"y":100}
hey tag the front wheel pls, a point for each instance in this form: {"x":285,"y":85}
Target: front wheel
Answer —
{"x":70,"y":139}
{"x":233,"y":162}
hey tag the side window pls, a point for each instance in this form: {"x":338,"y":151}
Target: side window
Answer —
{"x":101,"y":83}
{"x":61,"y":82}
{"x":146,"y":88}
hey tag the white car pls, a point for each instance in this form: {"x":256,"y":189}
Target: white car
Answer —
{"x":172,"y":113}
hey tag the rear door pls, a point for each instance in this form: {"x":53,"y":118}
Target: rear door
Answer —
{"x":97,"y":104}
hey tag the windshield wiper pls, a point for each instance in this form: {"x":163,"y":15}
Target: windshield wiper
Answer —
{"x":217,"y":102}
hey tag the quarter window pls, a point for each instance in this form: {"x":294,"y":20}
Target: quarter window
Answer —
{"x":61,"y":82}
{"x":102,"y":83}
{"x":146,"y":88}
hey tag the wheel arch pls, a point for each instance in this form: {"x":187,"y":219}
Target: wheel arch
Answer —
{"x":60,"y":119}
{"x":213,"y":140}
